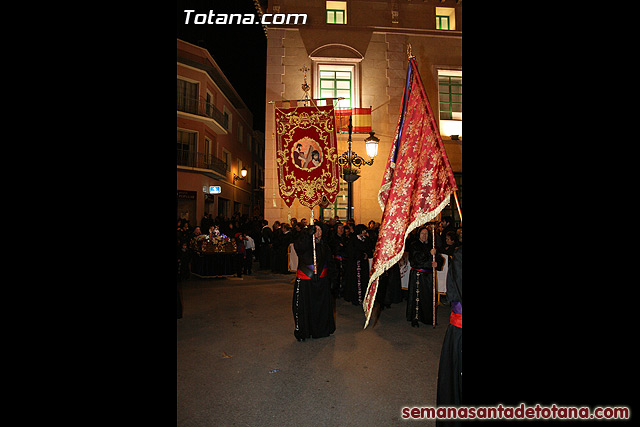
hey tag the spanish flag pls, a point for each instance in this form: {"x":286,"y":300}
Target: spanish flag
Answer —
{"x":360,"y":120}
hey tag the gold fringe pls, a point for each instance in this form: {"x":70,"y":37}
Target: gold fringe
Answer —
{"x":415,"y":224}
{"x":385,"y":187}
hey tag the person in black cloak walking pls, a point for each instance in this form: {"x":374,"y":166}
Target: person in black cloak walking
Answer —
{"x":449,"y":392}
{"x":264,"y":246}
{"x":420,"y":294}
{"x":281,"y":242}
{"x":357,"y":265}
{"x":312,"y":305}
{"x":338,"y":242}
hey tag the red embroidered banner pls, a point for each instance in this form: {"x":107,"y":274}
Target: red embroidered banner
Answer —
{"x":306,"y":155}
{"x":417,"y":184}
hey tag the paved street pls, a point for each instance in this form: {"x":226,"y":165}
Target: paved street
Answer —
{"x":239,"y":363}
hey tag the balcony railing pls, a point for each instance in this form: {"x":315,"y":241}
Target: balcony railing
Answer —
{"x":201,"y":160}
{"x":201,"y":107}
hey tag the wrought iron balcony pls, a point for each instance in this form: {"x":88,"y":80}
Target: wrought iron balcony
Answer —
{"x":200,"y":160}
{"x":201,"y":107}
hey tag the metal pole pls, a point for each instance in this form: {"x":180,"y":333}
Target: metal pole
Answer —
{"x":349,"y":200}
{"x":455,"y":194}
{"x":313,"y":242}
{"x":433,"y":257}
{"x":349,"y":184}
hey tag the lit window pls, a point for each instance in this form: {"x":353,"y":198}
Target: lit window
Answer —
{"x":445,"y":18}
{"x":336,"y":12}
{"x":336,"y":80}
{"x":442,"y":22}
{"x":336,"y":84}
{"x":450,"y":102}
{"x":450,"y":97}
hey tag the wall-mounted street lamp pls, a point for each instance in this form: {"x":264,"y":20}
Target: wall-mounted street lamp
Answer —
{"x":349,"y":159}
{"x":243,"y":172}
{"x":372,"y":145}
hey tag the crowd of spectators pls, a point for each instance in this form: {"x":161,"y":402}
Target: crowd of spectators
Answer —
{"x":268,"y":244}
{"x":352,"y":245}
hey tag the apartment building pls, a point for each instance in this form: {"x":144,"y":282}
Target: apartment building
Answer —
{"x":220,"y":160}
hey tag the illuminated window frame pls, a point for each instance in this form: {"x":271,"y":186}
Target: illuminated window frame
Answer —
{"x":336,"y":12}
{"x":337,"y":64}
{"x":450,"y":14}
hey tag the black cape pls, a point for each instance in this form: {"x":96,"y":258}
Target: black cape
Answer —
{"x":420,"y":294}
{"x":356,"y":275}
{"x":312,"y":305}
{"x":450,"y":370}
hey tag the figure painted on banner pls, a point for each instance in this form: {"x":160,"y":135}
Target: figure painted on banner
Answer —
{"x":306,"y":154}
{"x":314,"y":161}
{"x":357,"y":265}
{"x":299,"y":158}
{"x":449,"y":391}
{"x":420,"y":294}
{"x":312,"y":306}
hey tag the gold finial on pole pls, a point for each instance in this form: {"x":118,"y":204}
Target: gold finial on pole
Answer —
{"x":409,"y":53}
{"x":305,"y":85}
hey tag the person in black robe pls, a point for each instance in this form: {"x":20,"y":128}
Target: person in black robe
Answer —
{"x":450,"y":243}
{"x":392,"y":281}
{"x":281,"y":242}
{"x":445,"y":225}
{"x":239,"y":259}
{"x":264,"y":245}
{"x":420,"y":294}
{"x":275,"y":239}
{"x":179,"y":277}
{"x":312,"y":305}
{"x":449,"y":392}
{"x":357,"y":265}
{"x":338,"y":243}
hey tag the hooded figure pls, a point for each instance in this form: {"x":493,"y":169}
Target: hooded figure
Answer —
{"x":357,"y":265}
{"x":420,"y":294}
{"x":312,"y":306}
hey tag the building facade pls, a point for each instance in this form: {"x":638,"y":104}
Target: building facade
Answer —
{"x":357,"y":50}
{"x":215,"y":141}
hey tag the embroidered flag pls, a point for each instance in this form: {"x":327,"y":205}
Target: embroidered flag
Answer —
{"x":306,"y":155}
{"x":417,"y":183}
{"x":360,"y":120}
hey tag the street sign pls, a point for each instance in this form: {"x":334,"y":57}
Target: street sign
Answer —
{"x":215,"y":189}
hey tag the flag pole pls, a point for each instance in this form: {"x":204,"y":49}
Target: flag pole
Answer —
{"x":313,"y":241}
{"x":455,"y":194}
{"x":433,"y":294}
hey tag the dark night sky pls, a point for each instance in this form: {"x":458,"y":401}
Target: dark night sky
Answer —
{"x":239,"y":50}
